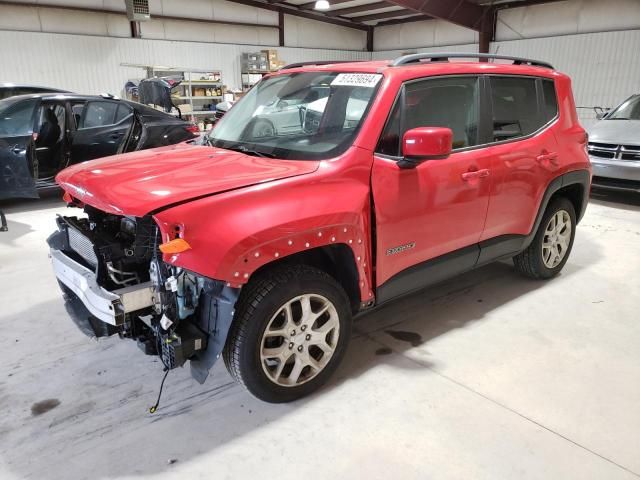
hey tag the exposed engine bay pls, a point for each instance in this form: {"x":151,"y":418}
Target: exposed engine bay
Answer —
{"x":170,"y":312}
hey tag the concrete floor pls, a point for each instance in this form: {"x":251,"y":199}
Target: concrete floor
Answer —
{"x":487,"y":376}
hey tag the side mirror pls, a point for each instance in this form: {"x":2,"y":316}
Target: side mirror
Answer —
{"x":425,"y":143}
{"x":600,"y":112}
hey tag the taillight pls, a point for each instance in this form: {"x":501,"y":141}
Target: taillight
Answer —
{"x":193,"y":128}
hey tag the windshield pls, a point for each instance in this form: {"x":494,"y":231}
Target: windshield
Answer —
{"x":627,"y":110}
{"x":302,"y":116}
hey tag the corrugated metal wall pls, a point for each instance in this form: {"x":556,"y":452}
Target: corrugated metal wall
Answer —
{"x":88,"y":64}
{"x":391,"y":54}
{"x":299,"y":32}
{"x":428,"y":33}
{"x":604,"y":67}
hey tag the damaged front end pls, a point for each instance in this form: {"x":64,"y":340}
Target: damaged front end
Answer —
{"x":115,"y":282}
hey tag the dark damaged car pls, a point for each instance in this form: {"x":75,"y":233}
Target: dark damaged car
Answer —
{"x":42,"y":134}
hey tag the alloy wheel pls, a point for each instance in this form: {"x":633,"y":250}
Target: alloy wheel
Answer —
{"x":299,"y":340}
{"x":556,"y":240}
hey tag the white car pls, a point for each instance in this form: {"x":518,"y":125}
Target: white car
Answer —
{"x":614,"y":147}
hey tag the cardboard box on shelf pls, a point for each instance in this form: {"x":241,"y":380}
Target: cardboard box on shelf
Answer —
{"x":271,"y":54}
{"x":199,"y":92}
{"x":277,"y":65}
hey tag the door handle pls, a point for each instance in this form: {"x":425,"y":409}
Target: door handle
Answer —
{"x":483,"y":173}
{"x":115,"y":136}
{"x":16,"y":150}
{"x":548,"y":157}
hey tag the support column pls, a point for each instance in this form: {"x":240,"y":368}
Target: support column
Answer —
{"x":487,"y":30}
{"x":281,"y":28}
{"x":135,"y":29}
{"x":370,"y":39}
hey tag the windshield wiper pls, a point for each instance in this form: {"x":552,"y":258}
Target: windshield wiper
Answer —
{"x":248,"y":151}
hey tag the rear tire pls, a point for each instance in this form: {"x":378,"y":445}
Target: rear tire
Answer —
{"x":291,"y":330}
{"x":551,"y":246}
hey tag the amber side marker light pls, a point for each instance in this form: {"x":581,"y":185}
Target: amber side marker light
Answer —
{"x":67,"y":197}
{"x":178,"y":245}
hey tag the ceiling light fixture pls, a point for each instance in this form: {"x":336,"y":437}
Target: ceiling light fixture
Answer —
{"x":322,"y":5}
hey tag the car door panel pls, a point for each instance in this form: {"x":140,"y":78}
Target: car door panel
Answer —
{"x":91,"y":142}
{"x":18,"y":165}
{"x":426,"y":212}
{"x":523,"y":166}
{"x":437,"y":208}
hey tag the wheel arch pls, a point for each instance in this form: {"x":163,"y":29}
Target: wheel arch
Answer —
{"x":341,"y":251}
{"x":337,"y":260}
{"x":575,"y":186}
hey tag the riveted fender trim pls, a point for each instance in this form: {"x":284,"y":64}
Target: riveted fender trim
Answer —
{"x":353,"y":236}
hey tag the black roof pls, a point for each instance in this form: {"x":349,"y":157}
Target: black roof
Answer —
{"x":66,"y":95}
{"x":25,"y":85}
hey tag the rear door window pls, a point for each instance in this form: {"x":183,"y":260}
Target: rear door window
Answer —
{"x":123,"y":112}
{"x":98,"y":114}
{"x":515,"y":107}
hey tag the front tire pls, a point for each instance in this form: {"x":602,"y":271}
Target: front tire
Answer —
{"x":550,"y":248}
{"x":291,"y":330}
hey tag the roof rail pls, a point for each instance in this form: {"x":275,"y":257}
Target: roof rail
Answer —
{"x":444,"y":57}
{"x":322,"y":62}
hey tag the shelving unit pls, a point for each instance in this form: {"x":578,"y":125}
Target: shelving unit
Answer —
{"x":187,"y":96}
{"x":189,"y":89}
{"x":256,"y":65}
{"x":250,"y":78}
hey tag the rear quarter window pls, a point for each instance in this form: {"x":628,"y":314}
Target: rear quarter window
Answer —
{"x":550,"y":102}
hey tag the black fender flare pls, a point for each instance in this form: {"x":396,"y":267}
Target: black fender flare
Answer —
{"x":576,"y":177}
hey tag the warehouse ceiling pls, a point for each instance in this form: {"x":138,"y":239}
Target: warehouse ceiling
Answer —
{"x":466,"y":13}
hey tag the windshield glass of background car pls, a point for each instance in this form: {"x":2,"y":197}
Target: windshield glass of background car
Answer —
{"x":16,"y":118}
{"x":302,"y":116}
{"x":629,"y":110}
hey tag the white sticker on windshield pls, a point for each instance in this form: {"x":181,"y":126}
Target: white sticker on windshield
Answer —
{"x":367,"y":80}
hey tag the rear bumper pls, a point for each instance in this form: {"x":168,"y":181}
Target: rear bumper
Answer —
{"x":106,"y":306}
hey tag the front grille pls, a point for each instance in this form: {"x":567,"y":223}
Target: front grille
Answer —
{"x":80,"y":244}
{"x":613,"y":151}
{"x":630,"y":152}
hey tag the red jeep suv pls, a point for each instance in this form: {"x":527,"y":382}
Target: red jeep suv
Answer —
{"x":328,"y":190}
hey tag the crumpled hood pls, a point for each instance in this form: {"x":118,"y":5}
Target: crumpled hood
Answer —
{"x":140,"y":182}
{"x":621,"y":132}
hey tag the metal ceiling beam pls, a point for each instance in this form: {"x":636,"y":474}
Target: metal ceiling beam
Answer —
{"x":359,"y":9}
{"x":298,"y":11}
{"x":398,"y":21}
{"x":460,"y":12}
{"x":384,"y":15}
{"x":310,"y":5}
